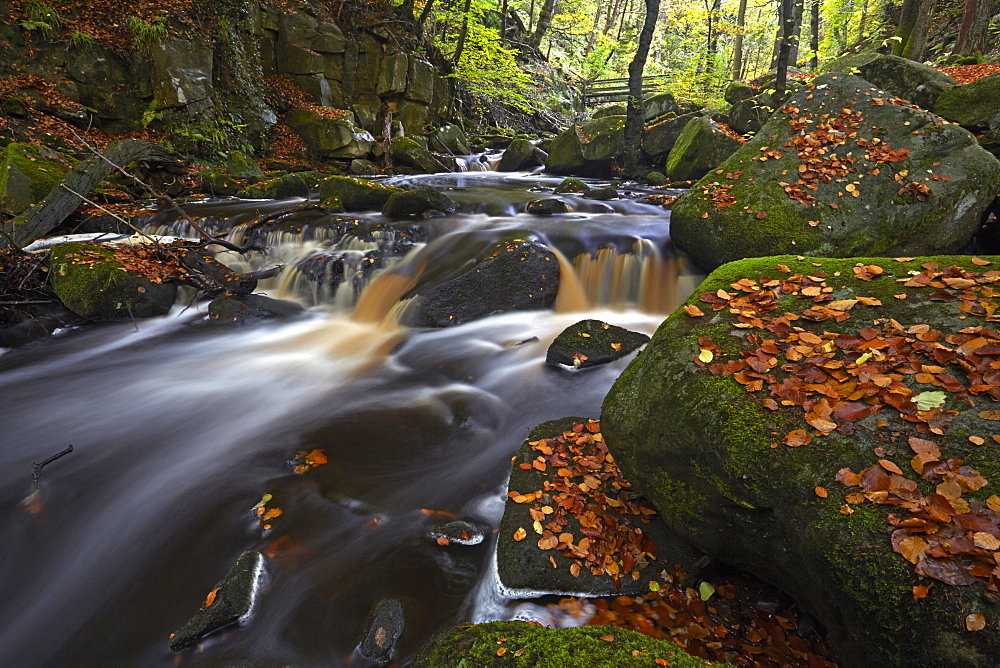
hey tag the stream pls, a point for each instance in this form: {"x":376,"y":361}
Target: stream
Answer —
{"x":180,"y":427}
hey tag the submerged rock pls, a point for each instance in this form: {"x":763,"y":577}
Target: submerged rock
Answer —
{"x":869,"y":186}
{"x":230,"y":602}
{"x":581,"y":544}
{"x":776,"y":430}
{"x":385,"y":624}
{"x":533,"y":645}
{"x":423,"y":200}
{"x":516,"y":275}
{"x":92,"y":283}
{"x":241,"y":309}
{"x":591,"y":343}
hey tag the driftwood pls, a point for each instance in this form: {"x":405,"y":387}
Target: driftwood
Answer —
{"x":62,"y":201}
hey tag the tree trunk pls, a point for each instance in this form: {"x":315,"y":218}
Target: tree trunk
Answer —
{"x":463,"y":33}
{"x":422,"y":19}
{"x":741,"y":20}
{"x":503,"y":23}
{"x":976,"y":16}
{"x":544,"y":21}
{"x":785,"y":36}
{"x":630,"y":155}
{"x":814,"y":36}
{"x":798,"y":10}
{"x":60,"y":202}
{"x":795,"y":17}
{"x":712,"y":45}
{"x":914,"y":22}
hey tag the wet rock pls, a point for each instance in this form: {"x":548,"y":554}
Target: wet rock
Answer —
{"x":355,"y":194}
{"x":93,"y":284}
{"x":916,"y":82}
{"x":233,"y":603}
{"x":385,"y":624}
{"x":419,"y":202}
{"x":524,"y":567}
{"x":701,"y":147}
{"x":241,"y":165}
{"x":588,"y":149}
{"x":571,"y":185}
{"x":656,"y":179}
{"x":916,"y":193}
{"x":242,"y":309}
{"x":363,"y":167}
{"x":516,"y":275}
{"x":218,"y":183}
{"x":520,"y":154}
{"x":27,"y":174}
{"x":602,"y":194}
{"x":591,"y":343}
{"x":535,"y":645}
{"x":546,"y":207}
{"x":459,"y":532}
{"x":712,"y":456}
{"x":281,"y":187}
{"x":407,"y":151}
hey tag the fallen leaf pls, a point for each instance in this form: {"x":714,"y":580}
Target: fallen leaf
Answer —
{"x":981,"y":262}
{"x":890,"y":466}
{"x":707,"y":356}
{"x":975,"y":622}
{"x":797,"y":437}
{"x":520,"y":534}
{"x":990,"y":415}
{"x":380,"y":636}
{"x":920,"y":591}
{"x":821,"y":492}
{"x":985,"y":540}
{"x":607,"y":638}
{"x":693,"y":311}
{"x":210,"y":599}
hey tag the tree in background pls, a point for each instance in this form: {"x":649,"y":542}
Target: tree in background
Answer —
{"x":631,"y":150}
{"x":911,"y":33}
{"x":976,"y":15}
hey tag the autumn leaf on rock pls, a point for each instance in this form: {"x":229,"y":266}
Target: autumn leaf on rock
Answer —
{"x":975,"y":622}
{"x":693,"y":311}
{"x":520,"y":534}
{"x":210,"y":599}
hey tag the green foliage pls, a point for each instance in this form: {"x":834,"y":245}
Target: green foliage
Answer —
{"x":41,"y":16}
{"x":82,"y":40}
{"x":144,"y":35}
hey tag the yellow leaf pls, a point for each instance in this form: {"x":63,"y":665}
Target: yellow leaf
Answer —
{"x":707,"y":356}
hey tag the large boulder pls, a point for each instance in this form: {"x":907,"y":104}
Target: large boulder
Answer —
{"x":918,"y":83}
{"x":587,"y":149}
{"x":330,"y":133}
{"x":355,"y":194}
{"x":659,"y":105}
{"x":520,"y":154}
{"x":524,"y":644}
{"x":516,"y":275}
{"x":974,"y":105}
{"x":408,"y":152}
{"x":748,"y":116}
{"x":659,"y":138}
{"x":417,"y":202}
{"x":94,"y":282}
{"x":737,"y":91}
{"x":591,"y":343}
{"x":27,"y":174}
{"x":855,"y":180}
{"x":824,"y":424}
{"x":279,"y":187}
{"x":450,"y":139}
{"x":701,"y":147}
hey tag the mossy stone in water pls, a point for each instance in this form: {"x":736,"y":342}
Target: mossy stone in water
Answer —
{"x":602,"y":194}
{"x":241,"y":309}
{"x":281,"y":187}
{"x":530,"y":646}
{"x":571,"y":185}
{"x":233,"y":602}
{"x":597,"y":341}
{"x":408,"y":152}
{"x":423,"y":200}
{"x":889,"y":216}
{"x":91,"y":283}
{"x":518,"y":155}
{"x":355,"y":194}
{"x":218,"y":183}
{"x":546,"y":207}
{"x":709,"y":454}
{"x":701,"y":147}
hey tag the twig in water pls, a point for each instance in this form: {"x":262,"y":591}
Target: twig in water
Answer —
{"x":36,"y":475}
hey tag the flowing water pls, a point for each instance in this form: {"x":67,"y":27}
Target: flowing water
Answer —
{"x":180,"y":427}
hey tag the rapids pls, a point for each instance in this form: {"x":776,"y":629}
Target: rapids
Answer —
{"x":179,"y":428}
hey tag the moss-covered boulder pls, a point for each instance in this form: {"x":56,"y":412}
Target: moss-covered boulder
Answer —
{"x":516,"y":275}
{"x":918,"y":83}
{"x":279,"y":187}
{"x":243,"y":309}
{"x":418,"y":202}
{"x":407,"y":151}
{"x":748,"y":116}
{"x":592,"y":342}
{"x":94,"y":283}
{"x":659,"y":138}
{"x":588,"y":149}
{"x":737,"y":91}
{"x":571,"y":185}
{"x":228,"y":604}
{"x":973,"y":105}
{"x":27,"y":174}
{"x":218,"y":183}
{"x":547,"y":207}
{"x":559,"y":534}
{"x":241,"y":165}
{"x":862,"y":175}
{"x":659,"y":105}
{"x":702,"y":146}
{"x":825,"y":424}
{"x":355,"y":194}
{"x":610,"y":110}
{"x":526,"y":645}
{"x":519,"y":155}
{"x":330,"y":133}
{"x":450,"y":139}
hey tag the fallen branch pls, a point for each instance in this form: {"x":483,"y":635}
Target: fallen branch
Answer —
{"x":36,"y":475}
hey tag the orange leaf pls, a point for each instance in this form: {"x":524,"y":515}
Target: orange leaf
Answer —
{"x":520,"y":534}
{"x":919,"y":592}
{"x":890,"y":467}
{"x":693,"y":311}
{"x":607,"y":638}
{"x":210,"y":599}
{"x":797,"y":437}
{"x":975,"y":622}
{"x":821,"y":492}
{"x":271,"y":514}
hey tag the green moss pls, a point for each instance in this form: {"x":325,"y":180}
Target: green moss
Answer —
{"x":27,"y":174}
{"x":529,"y":646}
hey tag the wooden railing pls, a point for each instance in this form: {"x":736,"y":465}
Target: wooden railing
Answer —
{"x":603,"y":91}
